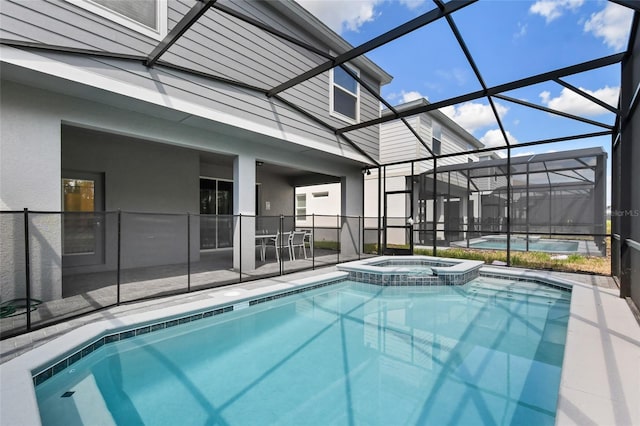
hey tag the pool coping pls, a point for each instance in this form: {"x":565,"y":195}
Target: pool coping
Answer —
{"x":454,"y":266}
{"x":602,"y":338}
{"x":444,"y":271}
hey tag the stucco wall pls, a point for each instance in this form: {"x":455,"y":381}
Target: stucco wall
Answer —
{"x":31,"y":164}
{"x":29,"y":177}
{"x":140,"y":177}
{"x":276,"y":190}
{"x":323,"y":200}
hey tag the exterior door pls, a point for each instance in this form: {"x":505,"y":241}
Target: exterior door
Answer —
{"x":398,"y":232}
{"x":216,"y":214}
{"x":452,"y":220}
{"x":83,"y":219}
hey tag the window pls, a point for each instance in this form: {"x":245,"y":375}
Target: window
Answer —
{"x":148,"y":17}
{"x":301,"y":206}
{"x":344,"y":95}
{"x":436,"y":144}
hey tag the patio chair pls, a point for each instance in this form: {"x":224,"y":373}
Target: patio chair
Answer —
{"x":308,"y":239}
{"x":297,"y":239}
{"x":279,"y":242}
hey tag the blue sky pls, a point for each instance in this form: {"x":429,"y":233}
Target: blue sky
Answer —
{"x":509,"y":40}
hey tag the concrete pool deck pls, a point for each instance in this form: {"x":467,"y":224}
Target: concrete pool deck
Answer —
{"x":602,"y":337}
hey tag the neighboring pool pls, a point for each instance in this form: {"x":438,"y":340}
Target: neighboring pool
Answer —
{"x":553,"y":246}
{"x":486,"y":352}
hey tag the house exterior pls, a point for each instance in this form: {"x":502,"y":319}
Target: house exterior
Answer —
{"x":560,"y":193}
{"x":398,"y":144}
{"x":89,"y":127}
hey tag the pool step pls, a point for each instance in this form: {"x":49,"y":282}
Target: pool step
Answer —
{"x":517,"y":293}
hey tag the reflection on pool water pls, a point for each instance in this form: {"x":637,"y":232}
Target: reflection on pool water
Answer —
{"x":486,"y":352}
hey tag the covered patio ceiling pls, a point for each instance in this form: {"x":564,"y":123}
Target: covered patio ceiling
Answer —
{"x":441,"y":12}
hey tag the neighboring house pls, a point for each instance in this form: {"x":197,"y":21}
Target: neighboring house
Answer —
{"x":562,"y":193}
{"x":397,"y":144}
{"x":87,"y":126}
{"x":553,"y":193}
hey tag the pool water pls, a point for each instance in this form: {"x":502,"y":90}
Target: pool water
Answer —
{"x":488,"y":352}
{"x":521,"y":245}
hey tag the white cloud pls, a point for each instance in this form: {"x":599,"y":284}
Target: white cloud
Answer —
{"x":612,"y":24}
{"x":474,"y":115}
{"x":404,"y":97}
{"x":494,"y":137}
{"x":524,"y":154}
{"x":412,"y":4}
{"x":571,"y":102}
{"x":457,"y":75}
{"x":411,"y":96}
{"x":553,"y":9}
{"x":522,"y":30}
{"x":342,"y":16}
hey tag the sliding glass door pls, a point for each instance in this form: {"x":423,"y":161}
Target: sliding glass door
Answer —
{"x":83,"y":219}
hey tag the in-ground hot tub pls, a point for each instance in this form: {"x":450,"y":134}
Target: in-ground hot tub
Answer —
{"x":412,"y":270}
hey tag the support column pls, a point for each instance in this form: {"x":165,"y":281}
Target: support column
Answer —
{"x":352,"y":206}
{"x":244,"y":203}
{"x":30,"y":177}
{"x":600,"y":201}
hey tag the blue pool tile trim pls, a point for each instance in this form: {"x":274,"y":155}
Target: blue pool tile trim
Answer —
{"x":411,"y":262}
{"x":86,"y":350}
{"x":395,"y":280}
{"x":292,"y":292}
{"x":408,"y":279}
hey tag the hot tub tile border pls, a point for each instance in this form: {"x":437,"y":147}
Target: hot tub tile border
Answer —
{"x":403,"y":279}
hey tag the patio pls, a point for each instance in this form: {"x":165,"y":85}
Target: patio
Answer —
{"x":88,"y":292}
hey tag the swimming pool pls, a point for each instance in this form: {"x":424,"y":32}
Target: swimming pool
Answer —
{"x":518,"y":244}
{"x":347,"y":353}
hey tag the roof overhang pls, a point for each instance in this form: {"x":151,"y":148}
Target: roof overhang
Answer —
{"x":79,"y":76}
